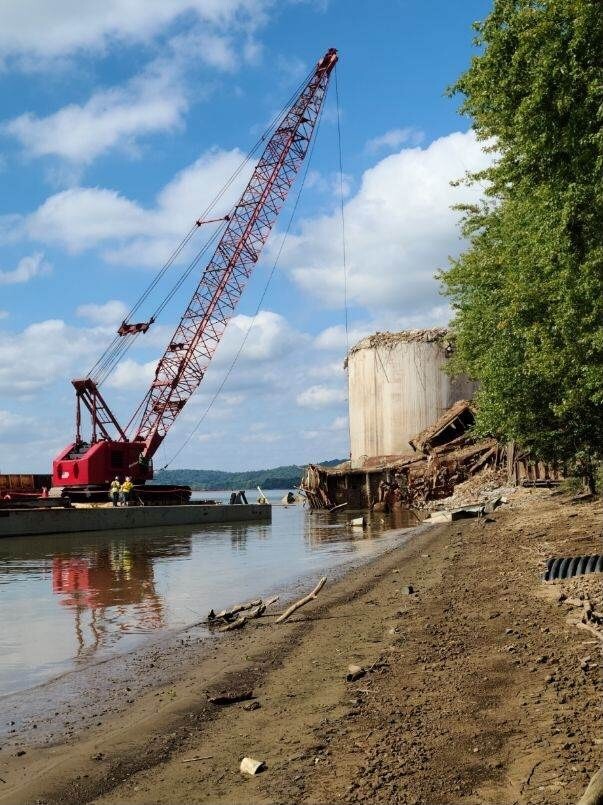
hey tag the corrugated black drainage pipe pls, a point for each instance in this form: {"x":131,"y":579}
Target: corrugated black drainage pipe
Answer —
{"x":570,"y":566}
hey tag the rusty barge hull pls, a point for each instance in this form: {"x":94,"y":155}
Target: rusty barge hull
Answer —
{"x":23,"y":484}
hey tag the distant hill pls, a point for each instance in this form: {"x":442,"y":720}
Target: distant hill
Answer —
{"x":207,"y":480}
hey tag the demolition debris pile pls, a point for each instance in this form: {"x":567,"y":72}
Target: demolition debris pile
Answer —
{"x":446,"y":454}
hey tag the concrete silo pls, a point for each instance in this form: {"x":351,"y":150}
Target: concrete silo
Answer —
{"x":397,"y":387}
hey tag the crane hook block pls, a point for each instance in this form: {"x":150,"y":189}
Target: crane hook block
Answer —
{"x":131,"y":329}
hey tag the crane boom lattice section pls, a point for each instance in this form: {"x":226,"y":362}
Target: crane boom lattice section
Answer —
{"x":185,"y":361}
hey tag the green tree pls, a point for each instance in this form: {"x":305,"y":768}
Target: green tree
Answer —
{"x":527,"y":294}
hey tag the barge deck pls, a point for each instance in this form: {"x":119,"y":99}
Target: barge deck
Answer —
{"x":30,"y":522}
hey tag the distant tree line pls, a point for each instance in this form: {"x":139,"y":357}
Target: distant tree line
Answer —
{"x":285,"y":477}
{"x":528,"y":292}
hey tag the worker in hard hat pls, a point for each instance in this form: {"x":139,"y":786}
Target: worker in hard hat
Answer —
{"x":114,"y":490}
{"x":126,"y":491}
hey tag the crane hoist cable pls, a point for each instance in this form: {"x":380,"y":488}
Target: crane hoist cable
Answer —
{"x":343,"y":238}
{"x":257,"y":309}
{"x":342,"y":212}
{"x":121,"y":345}
{"x":115,"y":351}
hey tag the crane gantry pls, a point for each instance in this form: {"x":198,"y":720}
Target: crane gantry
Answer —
{"x":91,"y":464}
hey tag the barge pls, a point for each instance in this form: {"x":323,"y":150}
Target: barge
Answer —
{"x":23,"y":522}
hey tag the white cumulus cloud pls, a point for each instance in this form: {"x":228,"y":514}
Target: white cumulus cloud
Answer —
{"x":335,"y":337}
{"x":109,"y":313}
{"x":62,"y":27}
{"x":218,"y":51}
{"x":270,"y":341}
{"x":83,"y":218}
{"x":393,"y":139}
{"x":42,"y":353}
{"x":27,"y":268}
{"x":270,"y":338}
{"x":320,"y":396}
{"x":400,"y":230}
{"x":116,"y":117}
{"x":130,"y":375}
{"x":10,"y":421}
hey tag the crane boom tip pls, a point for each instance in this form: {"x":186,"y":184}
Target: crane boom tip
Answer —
{"x":328,"y":61}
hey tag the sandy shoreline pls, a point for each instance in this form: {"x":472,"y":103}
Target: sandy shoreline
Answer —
{"x":459,"y":707}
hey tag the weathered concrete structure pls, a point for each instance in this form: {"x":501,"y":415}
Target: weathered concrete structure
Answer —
{"x":397,"y":387}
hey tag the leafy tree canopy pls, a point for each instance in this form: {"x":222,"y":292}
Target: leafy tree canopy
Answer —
{"x":528,"y":292}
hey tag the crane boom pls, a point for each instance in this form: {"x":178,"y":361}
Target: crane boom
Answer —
{"x":187,"y":356}
{"x":189,"y":352}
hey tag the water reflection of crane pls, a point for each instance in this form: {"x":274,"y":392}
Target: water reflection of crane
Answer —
{"x":114,"y":586}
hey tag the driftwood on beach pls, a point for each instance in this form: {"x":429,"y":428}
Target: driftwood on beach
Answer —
{"x":237,"y":624}
{"x":233,"y":618}
{"x":228,"y":613}
{"x":302,"y":601}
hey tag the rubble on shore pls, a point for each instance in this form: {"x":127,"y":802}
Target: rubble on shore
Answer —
{"x":449,"y":465}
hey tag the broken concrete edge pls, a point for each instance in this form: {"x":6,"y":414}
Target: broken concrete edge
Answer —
{"x":355,"y":672}
{"x":387,"y":339}
{"x":447,"y":516}
{"x":251,"y":766}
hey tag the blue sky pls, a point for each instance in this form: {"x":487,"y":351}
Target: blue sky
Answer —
{"x":121,"y":119}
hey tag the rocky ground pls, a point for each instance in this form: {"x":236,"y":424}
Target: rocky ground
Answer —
{"x":481,"y":687}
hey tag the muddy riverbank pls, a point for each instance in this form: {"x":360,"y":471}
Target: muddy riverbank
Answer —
{"x":480,"y":690}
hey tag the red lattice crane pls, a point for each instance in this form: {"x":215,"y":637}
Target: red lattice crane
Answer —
{"x":92,"y":464}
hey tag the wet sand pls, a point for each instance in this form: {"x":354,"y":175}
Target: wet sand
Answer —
{"x":476,"y":692}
